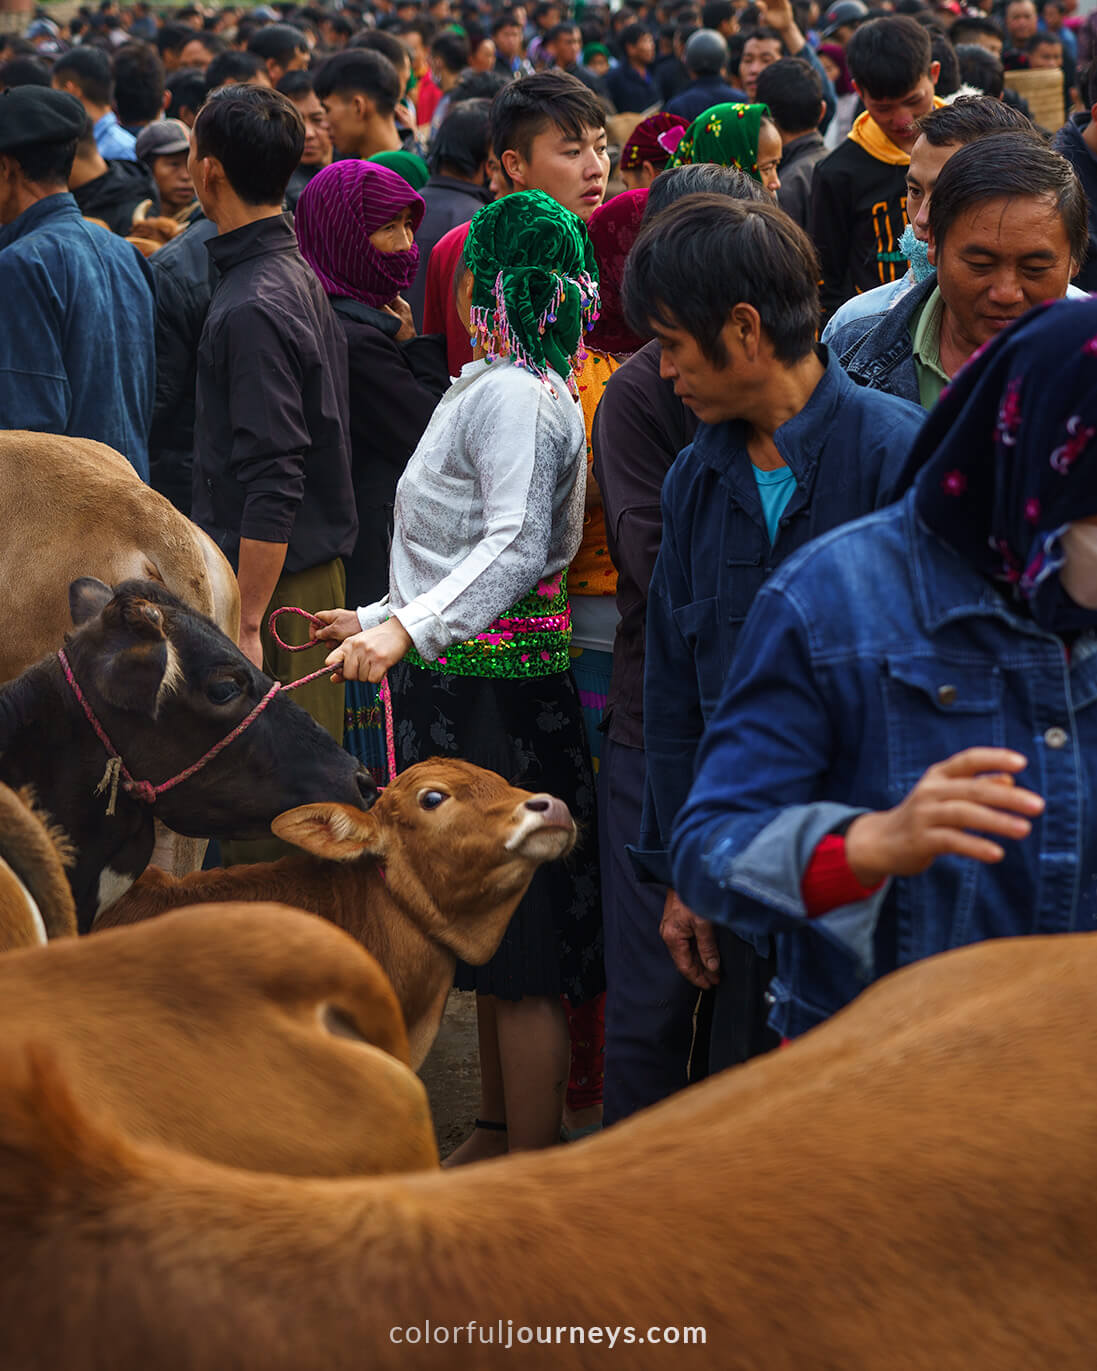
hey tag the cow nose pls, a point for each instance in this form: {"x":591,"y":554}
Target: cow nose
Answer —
{"x":367,"y":787}
{"x":538,"y":806}
{"x":556,"y":812}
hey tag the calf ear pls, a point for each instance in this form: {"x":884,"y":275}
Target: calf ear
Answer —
{"x":339,"y":832}
{"x":87,"y":598}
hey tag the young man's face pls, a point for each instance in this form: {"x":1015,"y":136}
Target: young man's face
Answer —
{"x":897,"y":118}
{"x":574,"y":171}
{"x":998,"y":260}
{"x":508,"y":42}
{"x":565,"y":49}
{"x":195,"y":54}
{"x":926,"y":162}
{"x":346,"y":121}
{"x":1046,"y":56}
{"x":758,"y":53}
{"x":317,"y":149}
{"x":642,"y":52}
{"x":172,"y":177}
{"x":1020,"y":22}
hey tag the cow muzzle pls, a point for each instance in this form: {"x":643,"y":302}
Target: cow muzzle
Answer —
{"x":544,"y":829}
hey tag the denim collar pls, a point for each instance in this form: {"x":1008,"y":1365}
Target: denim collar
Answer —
{"x":274,"y":234}
{"x":47,"y":208}
{"x":888,"y":341}
{"x":946,"y":588}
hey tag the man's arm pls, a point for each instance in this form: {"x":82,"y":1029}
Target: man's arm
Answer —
{"x":777,"y":15}
{"x":259,"y":568}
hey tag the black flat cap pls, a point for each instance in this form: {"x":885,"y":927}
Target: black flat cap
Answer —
{"x":37,"y":114}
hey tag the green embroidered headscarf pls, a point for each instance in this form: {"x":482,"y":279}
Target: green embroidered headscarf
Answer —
{"x":726,"y":135}
{"x":536,"y":282}
{"x":406,"y":164}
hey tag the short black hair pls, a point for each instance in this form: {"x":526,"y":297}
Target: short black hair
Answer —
{"x":1008,"y":166}
{"x":631,"y":34}
{"x":506,"y":20}
{"x":463,"y":141}
{"x":716,"y":12}
{"x":213,"y":43}
{"x":793,"y":90}
{"x":360,"y":72}
{"x":1039,"y":39}
{"x":969,"y":117}
{"x":387,"y":44}
{"x":46,"y":164}
{"x":23,"y":71}
{"x":693,"y":263}
{"x":339,"y":23}
{"x":138,"y":83}
{"x":257,"y":135}
{"x":452,"y":50}
{"x":888,"y":57}
{"x":90,"y":71}
{"x":980,"y":68}
{"x":532,"y":104}
{"x":295,"y":85}
{"x":233,"y":66}
{"x":478,"y":85}
{"x":187,"y":90}
{"x":700,"y":178}
{"x":948,"y":77}
{"x":973,"y":24}
{"x":278,"y":43}
{"x":557,"y":30}
{"x":763,"y":34}
{"x":173,"y":37}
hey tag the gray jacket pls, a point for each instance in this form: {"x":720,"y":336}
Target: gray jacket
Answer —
{"x":877,"y":351}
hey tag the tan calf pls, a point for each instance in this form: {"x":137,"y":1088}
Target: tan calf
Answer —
{"x":35,"y":899}
{"x":252,"y":1035}
{"x":908,"y":1188}
{"x":431,"y":873}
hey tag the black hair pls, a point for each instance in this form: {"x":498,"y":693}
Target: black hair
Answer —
{"x":948,"y":77}
{"x":296,"y":84}
{"x":970,"y":117}
{"x":246,"y":27}
{"x":532,"y":104}
{"x":173,"y":38}
{"x":888,"y":57}
{"x":187,"y":90}
{"x":89,"y":69}
{"x":506,"y":20}
{"x":340,"y":24}
{"x":387,"y":44}
{"x":360,"y":72}
{"x":980,"y":68}
{"x":425,"y":27}
{"x":138,"y":83}
{"x":463,"y":141}
{"x":766,"y":35}
{"x":257,"y":135}
{"x":716,"y":12}
{"x":1007,"y":166}
{"x":972,"y":24}
{"x":213,"y":43}
{"x":557,"y":30}
{"x":46,"y":164}
{"x":278,"y":43}
{"x":632,"y":34}
{"x":234,"y":66}
{"x":23,"y":71}
{"x":693,"y":263}
{"x":700,"y":178}
{"x":793,"y":91}
{"x":452,"y":50}
{"x":544,"y":6}
{"x":478,"y":85}
{"x":1087,"y":80}
{"x":1040,"y":38}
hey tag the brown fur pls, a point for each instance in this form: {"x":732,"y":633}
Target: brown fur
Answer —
{"x":90,"y":515}
{"x":253,"y":1035}
{"x":908,"y":1188}
{"x":35,"y":855}
{"x":448,"y":888}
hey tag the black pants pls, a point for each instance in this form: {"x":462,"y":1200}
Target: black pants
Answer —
{"x":739,"y":1028}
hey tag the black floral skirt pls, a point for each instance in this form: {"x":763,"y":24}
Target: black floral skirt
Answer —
{"x":531,"y":732}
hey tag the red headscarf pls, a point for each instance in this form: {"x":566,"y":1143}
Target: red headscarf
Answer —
{"x":652,"y":140}
{"x":613,"y":229}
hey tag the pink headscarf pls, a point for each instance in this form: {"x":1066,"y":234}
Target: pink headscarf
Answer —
{"x":613,"y":229}
{"x":338,"y":210}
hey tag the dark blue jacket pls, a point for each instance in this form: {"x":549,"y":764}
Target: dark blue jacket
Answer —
{"x":77,"y":351}
{"x":701,"y":94}
{"x":846,"y":449}
{"x":870,"y":656}
{"x":877,"y":350}
{"x":1075,"y":149}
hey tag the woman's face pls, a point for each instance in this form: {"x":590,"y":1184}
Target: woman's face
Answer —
{"x":769,"y":157}
{"x":396,"y":235}
{"x":830,"y":66}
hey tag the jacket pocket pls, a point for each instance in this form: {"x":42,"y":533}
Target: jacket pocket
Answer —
{"x":708,"y":642}
{"x":934,"y":709}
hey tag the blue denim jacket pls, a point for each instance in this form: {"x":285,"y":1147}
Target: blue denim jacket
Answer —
{"x":871,"y":655}
{"x":77,"y":349}
{"x":846,"y":448}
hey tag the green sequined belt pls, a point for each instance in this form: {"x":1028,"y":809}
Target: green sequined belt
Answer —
{"x":532,"y":638}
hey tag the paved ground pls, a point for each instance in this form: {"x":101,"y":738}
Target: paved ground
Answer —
{"x":451,"y":1072}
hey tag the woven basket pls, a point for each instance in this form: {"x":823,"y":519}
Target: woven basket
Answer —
{"x":1044,"y":92}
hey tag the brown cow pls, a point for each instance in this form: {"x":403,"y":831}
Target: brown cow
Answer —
{"x":907,"y":1188}
{"x":35,"y":899}
{"x":431,"y":873}
{"x":253,"y":1035}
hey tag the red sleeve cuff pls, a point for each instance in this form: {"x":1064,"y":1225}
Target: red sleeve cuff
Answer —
{"x":828,"y":883}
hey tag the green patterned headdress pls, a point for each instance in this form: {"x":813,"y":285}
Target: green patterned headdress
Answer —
{"x":726,"y":135}
{"x":536,"y":283}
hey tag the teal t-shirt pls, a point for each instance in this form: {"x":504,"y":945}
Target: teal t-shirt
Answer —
{"x":775,"y":491}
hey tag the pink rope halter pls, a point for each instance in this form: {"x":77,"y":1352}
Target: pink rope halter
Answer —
{"x":118,"y":774}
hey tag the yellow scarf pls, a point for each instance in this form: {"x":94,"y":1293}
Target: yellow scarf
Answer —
{"x":868,"y":134}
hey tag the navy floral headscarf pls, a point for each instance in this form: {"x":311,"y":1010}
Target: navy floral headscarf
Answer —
{"x":1008,"y":458}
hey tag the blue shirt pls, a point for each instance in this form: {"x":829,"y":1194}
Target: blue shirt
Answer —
{"x":112,"y":140}
{"x":775,"y":491}
{"x":870,"y":656}
{"x":77,"y":352}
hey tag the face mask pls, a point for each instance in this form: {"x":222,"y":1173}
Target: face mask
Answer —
{"x":1078,"y":574}
{"x":918,"y":253}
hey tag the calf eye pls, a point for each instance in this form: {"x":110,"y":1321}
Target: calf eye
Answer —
{"x":431,"y":799}
{"x":221,"y":692}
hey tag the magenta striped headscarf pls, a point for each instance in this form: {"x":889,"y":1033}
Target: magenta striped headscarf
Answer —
{"x":338,"y":210}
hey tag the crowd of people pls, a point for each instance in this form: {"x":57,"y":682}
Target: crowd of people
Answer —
{"x":667,"y":403}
